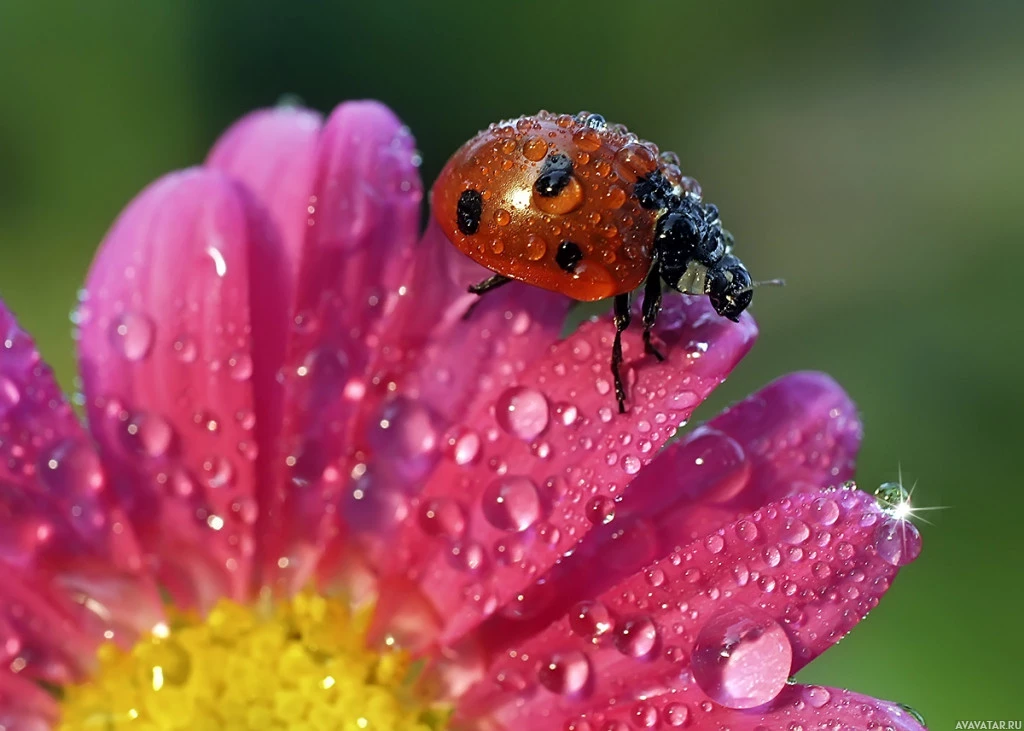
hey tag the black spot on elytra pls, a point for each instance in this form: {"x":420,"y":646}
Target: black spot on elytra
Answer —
{"x":471,"y":206}
{"x":554,"y":176}
{"x":568,"y":256}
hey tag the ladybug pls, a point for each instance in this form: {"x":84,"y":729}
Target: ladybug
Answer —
{"x":578,"y":206}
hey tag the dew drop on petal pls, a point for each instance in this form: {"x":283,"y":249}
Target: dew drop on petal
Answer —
{"x":442,"y":517}
{"x":601,"y":510}
{"x":148,"y":435}
{"x":131,"y":334}
{"x":590,"y":620}
{"x":794,"y":531}
{"x":676,"y":714}
{"x":636,"y":636}
{"x":522,"y":412}
{"x":742,"y":657}
{"x":565,"y":673}
{"x":240,"y":366}
{"x":511,"y":503}
{"x":897,"y":541}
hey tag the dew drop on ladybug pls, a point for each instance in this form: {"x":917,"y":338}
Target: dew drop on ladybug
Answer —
{"x":574,"y":205}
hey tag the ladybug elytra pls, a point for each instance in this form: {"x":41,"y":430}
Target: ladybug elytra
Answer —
{"x":578,"y":206}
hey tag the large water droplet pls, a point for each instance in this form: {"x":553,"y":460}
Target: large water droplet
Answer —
{"x":897,"y":541}
{"x":148,"y":435}
{"x":720,"y":466}
{"x":742,"y":657}
{"x":565,"y":673}
{"x":591,"y":620}
{"x":601,"y":510}
{"x":404,"y":437}
{"x":131,"y":334}
{"x":522,"y":412}
{"x":511,"y":503}
{"x":72,"y":468}
{"x":442,"y":517}
{"x":636,"y":636}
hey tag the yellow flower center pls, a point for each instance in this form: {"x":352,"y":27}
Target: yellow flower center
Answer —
{"x":300,"y":664}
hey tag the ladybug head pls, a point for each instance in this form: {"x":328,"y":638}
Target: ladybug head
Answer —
{"x":729,"y":287}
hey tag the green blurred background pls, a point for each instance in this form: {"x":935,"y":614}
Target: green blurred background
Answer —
{"x":872,"y":154}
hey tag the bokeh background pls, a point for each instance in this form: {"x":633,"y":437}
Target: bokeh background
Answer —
{"x":870,"y":153}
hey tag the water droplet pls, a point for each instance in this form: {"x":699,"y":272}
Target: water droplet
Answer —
{"x":636,"y":636}
{"x":464,"y":446}
{"x":824,"y":511}
{"x":746,"y":531}
{"x":719,"y":462}
{"x":522,"y":412}
{"x":794,"y":531}
{"x":240,"y":366}
{"x":897,"y":541}
{"x":10,"y":394}
{"x":601,"y":510}
{"x":591,"y":620}
{"x":442,"y":517}
{"x":655,"y":576}
{"x":468,"y":556}
{"x":72,"y":467}
{"x":637,"y":158}
{"x":185,"y":349}
{"x":676,"y":714}
{"x":567,"y":414}
{"x":536,"y":247}
{"x":535,"y":149}
{"x":131,"y":334}
{"x":772,"y":556}
{"x":715,"y":543}
{"x":511,"y":503}
{"x":148,"y":435}
{"x":565,"y":673}
{"x":502,"y":218}
{"x":217,"y":472}
{"x":742,"y":657}
{"x":587,"y":139}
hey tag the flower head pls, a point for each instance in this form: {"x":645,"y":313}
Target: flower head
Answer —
{"x":312,"y":495}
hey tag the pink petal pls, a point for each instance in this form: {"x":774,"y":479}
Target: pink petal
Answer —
{"x":464,"y":366}
{"x":807,"y":707}
{"x":40,"y":640}
{"x":59,"y":521}
{"x":24,"y":706}
{"x":360,"y":246}
{"x":273,"y":152}
{"x":814,"y":564}
{"x":800,"y":433}
{"x":553,"y":450}
{"x":182,"y":333}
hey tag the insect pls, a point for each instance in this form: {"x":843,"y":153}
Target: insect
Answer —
{"x":578,"y":206}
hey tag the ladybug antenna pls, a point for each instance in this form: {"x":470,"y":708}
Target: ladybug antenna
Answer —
{"x":765,"y":283}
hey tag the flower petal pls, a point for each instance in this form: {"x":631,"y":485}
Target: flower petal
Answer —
{"x":273,"y":152}
{"x":182,"y":333}
{"x":464,"y":367}
{"x":807,"y":707}
{"x":798,"y":434}
{"x":59,"y":521}
{"x":552,"y":453}
{"x":813,"y":564}
{"x":24,"y":706}
{"x":360,"y":247}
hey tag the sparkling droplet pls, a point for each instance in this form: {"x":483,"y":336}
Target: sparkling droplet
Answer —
{"x":565,"y":673}
{"x":511,"y":503}
{"x":601,"y":510}
{"x":897,"y":541}
{"x":746,"y":530}
{"x":742,"y":657}
{"x":522,"y":412}
{"x":591,"y":620}
{"x":715,"y":543}
{"x":131,"y":334}
{"x":824,"y":511}
{"x":636,"y":636}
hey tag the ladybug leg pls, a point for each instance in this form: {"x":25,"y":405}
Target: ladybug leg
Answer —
{"x":622,"y":317}
{"x":652,"y":306}
{"x":481,"y":288}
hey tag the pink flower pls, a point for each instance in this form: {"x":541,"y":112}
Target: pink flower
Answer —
{"x":300,"y":458}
